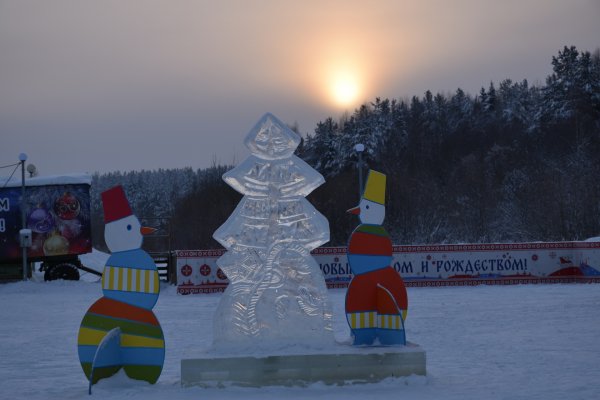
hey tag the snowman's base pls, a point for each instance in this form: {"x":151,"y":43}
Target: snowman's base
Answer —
{"x":348,"y":364}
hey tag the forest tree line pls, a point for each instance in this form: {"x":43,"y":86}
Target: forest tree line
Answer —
{"x":515,"y":162}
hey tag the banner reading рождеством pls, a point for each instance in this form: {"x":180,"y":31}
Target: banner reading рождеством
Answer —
{"x":430,"y":265}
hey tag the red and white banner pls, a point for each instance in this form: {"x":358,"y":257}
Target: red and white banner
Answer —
{"x":197,"y":272}
{"x":430,"y":265}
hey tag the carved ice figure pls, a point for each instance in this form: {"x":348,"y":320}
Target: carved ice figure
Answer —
{"x":277,"y":292}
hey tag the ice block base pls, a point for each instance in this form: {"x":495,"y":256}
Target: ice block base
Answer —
{"x":345,"y":365}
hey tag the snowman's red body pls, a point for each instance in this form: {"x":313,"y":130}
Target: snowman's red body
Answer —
{"x":376,"y":301}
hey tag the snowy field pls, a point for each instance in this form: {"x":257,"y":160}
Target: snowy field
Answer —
{"x":486,"y":342}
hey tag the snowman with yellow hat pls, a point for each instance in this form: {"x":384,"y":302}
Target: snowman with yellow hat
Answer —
{"x":376,"y":301}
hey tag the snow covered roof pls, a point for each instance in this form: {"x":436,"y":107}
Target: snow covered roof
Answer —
{"x":65,"y":179}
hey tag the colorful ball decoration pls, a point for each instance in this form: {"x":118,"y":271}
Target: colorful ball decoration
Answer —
{"x":40,"y":220}
{"x":70,"y":229}
{"x":67,"y":206}
{"x":56,"y":245}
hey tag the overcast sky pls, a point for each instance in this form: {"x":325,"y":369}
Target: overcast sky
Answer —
{"x":128,"y":85}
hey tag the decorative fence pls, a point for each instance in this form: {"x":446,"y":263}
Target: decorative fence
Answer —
{"x":430,"y":265}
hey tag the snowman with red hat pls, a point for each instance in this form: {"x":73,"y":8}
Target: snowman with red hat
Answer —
{"x":376,"y":301}
{"x":130,"y":274}
{"x":120,"y":330}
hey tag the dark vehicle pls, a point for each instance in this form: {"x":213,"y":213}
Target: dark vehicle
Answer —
{"x":57,"y":212}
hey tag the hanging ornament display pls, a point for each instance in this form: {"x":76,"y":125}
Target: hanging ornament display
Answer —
{"x":40,"y":220}
{"x":56,"y":245}
{"x":37,"y":245}
{"x":70,"y":229}
{"x":67,"y":206}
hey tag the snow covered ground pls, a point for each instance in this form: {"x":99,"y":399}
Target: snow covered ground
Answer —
{"x":485,"y":342}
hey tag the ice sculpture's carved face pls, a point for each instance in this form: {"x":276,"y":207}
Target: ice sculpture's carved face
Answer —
{"x":271,"y":139}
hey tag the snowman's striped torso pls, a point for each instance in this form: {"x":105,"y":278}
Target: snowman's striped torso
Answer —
{"x":131,"y":277}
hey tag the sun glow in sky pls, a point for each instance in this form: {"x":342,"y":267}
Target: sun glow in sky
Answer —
{"x":345,"y":89}
{"x":113,"y":85}
{"x":343,"y":69}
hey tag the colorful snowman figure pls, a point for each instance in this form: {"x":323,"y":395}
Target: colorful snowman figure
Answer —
{"x":376,"y":301}
{"x":130,"y":274}
{"x":120,"y":329}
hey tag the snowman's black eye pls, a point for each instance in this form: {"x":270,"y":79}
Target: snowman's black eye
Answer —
{"x":128,"y":227}
{"x":367,"y":206}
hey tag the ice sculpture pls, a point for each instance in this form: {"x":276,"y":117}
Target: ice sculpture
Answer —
{"x":277,"y":292}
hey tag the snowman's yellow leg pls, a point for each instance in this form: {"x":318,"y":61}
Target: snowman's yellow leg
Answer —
{"x":390,"y":328}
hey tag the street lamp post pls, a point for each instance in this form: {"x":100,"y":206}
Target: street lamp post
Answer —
{"x":23,"y":158}
{"x":359,"y":149}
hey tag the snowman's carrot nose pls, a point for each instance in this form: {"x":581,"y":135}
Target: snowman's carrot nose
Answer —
{"x":355,"y":211}
{"x":146,"y":230}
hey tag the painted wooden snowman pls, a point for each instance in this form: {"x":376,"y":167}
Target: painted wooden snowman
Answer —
{"x":376,"y":301}
{"x":120,"y":330}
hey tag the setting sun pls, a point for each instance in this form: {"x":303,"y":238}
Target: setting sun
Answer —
{"x":344,"y":90}
{"x":342,"y":75}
